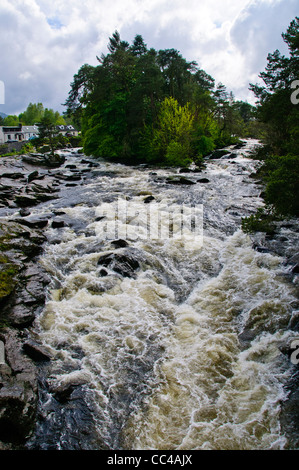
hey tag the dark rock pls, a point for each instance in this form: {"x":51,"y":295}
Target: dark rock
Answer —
{"x":23,"y":200}
{"x":73,"y":177}
{"x":295,"y":269}
{"x":24,"y":212}
{"x":119,"y":243}
{"x":148,"y":199}
{"x":98,"y":219}
{"x":36,"y":351}
{"x":124,"y":264}
{"x":33,"y":222}
{"x":14,"y":176}
{"x":47,"y":159}
{"x":260,"y":249}
{"x":203,"y":180}
{"x":239,"y":145}
{"x":32,"y":176}
{"x":219,"y":154}
{"x":180,"y":180}
{"x":18,"y":391}
{"x":103,"y":272}
{"x":185,"y":170}
{"x":58,"y":223}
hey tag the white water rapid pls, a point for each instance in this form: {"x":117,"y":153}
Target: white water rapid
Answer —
{"x":179,"y":349}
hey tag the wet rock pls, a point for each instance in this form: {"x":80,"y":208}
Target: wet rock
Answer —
{"x":148,"y":199}
{"x":33,"y":222}
{"x":203,"y":180}
{"x":49,"y":160}
{"x":32,"y":176}
{"x":21,"y":316}
{"x":24,"y":212}
{"x":239,"y":145}
{"x":71,"y":167}
{"x":18,"y":391}
{"x":14,"y":176}
{"x":36,"y":351}
{"x":295,"y":269}
{"x":103,"y":273}
{"x":218,"y":154}
{"x":23,"y":200}
{"x":124,"y":264}
{"x":58,"y":223}
{"x":180,"y":180}
{"x":119,"y":243}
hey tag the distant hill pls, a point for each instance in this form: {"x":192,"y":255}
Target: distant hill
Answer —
{"x":3,"y":115}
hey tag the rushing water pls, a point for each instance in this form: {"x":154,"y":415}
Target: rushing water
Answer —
{"x":183,"y":352}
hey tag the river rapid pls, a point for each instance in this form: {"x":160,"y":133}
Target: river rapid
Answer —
{"x":171,"y":338}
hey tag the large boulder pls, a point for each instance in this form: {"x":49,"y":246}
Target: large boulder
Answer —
{"x":44,"y":159}
{"x":124,"y":263}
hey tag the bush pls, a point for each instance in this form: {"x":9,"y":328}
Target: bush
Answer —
{"x":176,"y":155}
{"x":262,"y":221}
{"x":205,"y":146}
{"x":282,"y":189}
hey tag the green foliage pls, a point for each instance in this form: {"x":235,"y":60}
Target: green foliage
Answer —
{"x":11,"y":120}
{"x":275,"y":108}
{"x":47,"y":130}
{"x":142,"y":105}
{"x":205,"y":145}
{"x":33,"y":115}
{"x":262,"y":221}
{"x":282,"y":188}
{"x":280,"y":153}
{"x":175,"y":155}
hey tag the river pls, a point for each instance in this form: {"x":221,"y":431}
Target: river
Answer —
{"x":171,"y":337}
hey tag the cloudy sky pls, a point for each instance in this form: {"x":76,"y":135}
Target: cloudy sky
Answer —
{"x":45,"y":42}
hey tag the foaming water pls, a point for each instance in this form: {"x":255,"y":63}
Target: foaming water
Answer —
{"x":181,"y":352}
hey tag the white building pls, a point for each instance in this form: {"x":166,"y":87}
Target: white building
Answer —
{"x":11,"y":134}
{"x":22,"y":133}
{"x":30,"y":132}
{"x":67,"y":130}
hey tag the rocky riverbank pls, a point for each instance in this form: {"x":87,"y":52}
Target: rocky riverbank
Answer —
{"x":25,"y":182}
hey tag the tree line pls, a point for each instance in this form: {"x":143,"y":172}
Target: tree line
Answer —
{"x":34,"y":113}
{"x":143,"y":105}
{"x":278,"y":112}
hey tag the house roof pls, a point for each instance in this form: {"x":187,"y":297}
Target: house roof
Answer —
{"x":30,"y":129}
{"x":66,"y":128}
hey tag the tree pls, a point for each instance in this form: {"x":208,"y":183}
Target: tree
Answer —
{"x":139,"y":104}
{"x":47,"y":129}
{"x":280,"y":170}
{"x":170,"y":141}
{"x":275,"y":108}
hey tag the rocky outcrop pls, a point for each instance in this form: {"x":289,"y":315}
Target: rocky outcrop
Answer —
{"x":124,"y":263}
{"x":23,"y":286}
{"x":22,"y":296}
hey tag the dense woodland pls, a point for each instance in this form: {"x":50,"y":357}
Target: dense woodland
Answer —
{"x":34,"y":113}
{"x":142,"y":105}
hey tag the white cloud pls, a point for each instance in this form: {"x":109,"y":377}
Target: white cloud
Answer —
{"x":44,"y":42}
